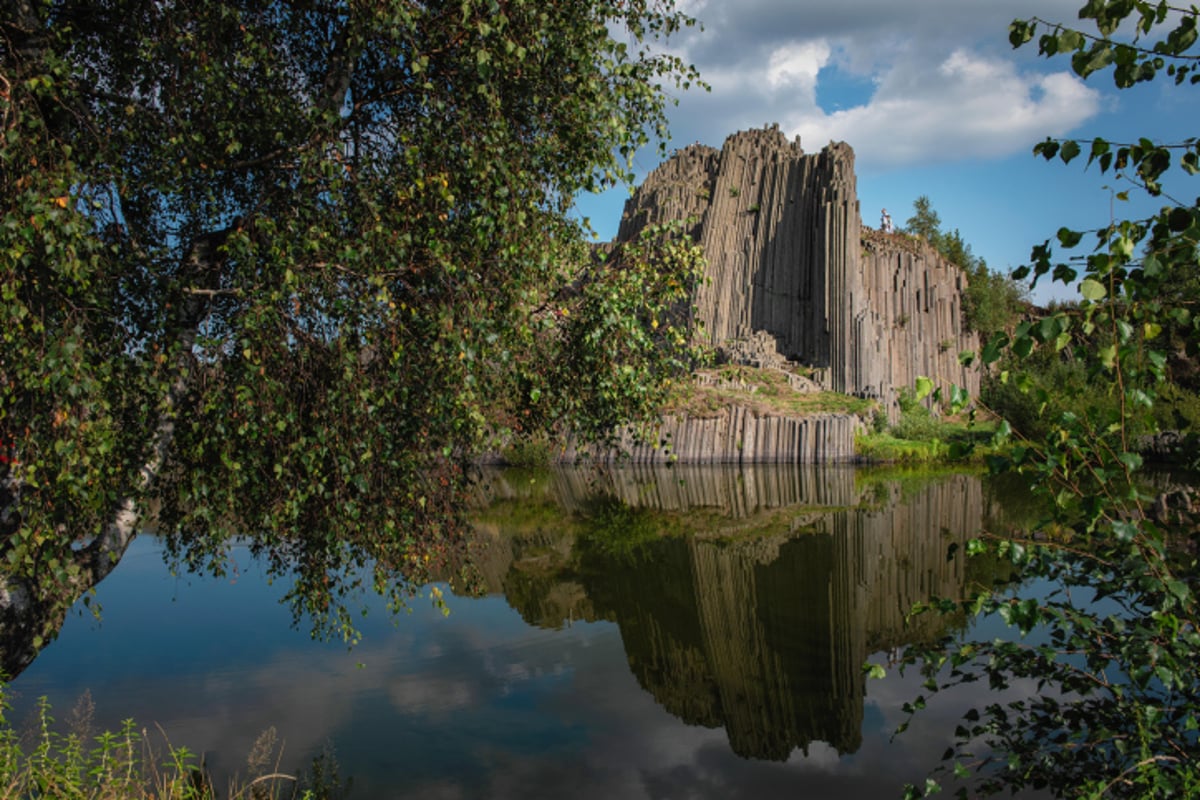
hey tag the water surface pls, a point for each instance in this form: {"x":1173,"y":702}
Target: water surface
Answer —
{"x":685,"y":633}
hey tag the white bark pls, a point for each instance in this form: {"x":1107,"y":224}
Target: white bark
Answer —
{"x":29,"y":618}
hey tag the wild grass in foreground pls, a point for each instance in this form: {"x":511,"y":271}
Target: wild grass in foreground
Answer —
{"x":44,"y":763}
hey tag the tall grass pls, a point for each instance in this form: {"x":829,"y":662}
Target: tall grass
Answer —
{"x":46,"y":763}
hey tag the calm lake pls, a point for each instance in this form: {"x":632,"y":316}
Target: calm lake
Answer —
{"x":692,"y":632}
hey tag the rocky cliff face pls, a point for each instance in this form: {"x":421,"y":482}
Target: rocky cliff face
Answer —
{"x":787,"y":254}
{"x":734,"y":435}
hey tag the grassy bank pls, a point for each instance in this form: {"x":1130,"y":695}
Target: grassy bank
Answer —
{"x":762,"y":391}
{"x":920,"y":437}
{"x":917,"y":437}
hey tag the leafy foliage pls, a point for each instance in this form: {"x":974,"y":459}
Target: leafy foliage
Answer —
{"x":1110,"y":640}
{"x":277,"y":269}
{"x":925,"y":222}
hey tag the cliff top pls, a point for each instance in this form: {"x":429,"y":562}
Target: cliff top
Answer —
{"x":763,"y":392}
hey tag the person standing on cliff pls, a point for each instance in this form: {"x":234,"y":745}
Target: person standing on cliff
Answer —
{"x":885,"y":223}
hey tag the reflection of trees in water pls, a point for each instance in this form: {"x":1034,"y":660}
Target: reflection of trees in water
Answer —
{"x":757,"y":619}
{"x":330,"y":561}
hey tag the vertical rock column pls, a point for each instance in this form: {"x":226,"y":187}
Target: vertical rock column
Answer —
{"x":788,"y":255}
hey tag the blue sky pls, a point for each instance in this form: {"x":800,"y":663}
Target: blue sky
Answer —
{"x":934,"y":101}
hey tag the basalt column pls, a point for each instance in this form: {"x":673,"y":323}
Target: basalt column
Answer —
{"x":787,"y":254}
{"x":775,"y":225}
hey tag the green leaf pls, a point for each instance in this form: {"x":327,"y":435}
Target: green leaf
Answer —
{"x":1180,"y":219}
{"x":1092,"y":290}
{"x":1049,"y":328}
{"x":1068,"y":237}
{"x":991,"y":351}
{"x":1122,"y":248}
{"x":923,"y":387}
{"x":959,"y":399}
{"x":1124,"y":531}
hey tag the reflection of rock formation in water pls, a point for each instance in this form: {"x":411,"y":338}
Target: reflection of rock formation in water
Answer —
{"x":761,"y":628}
{"x":528,"y":569}
{"x":765,"y":633}
{"x":736,"y":492}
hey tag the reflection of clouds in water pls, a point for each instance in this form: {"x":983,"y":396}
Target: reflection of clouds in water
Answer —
{"x":820,"y":756}
{"x":517,"y":713}
{"x":305,"y":697}
{"x":310,"y":697}
{"x":637,"y":751}
{"x":430,"y":694}
{"x":632,"y":748}
{"x":481,"y":705}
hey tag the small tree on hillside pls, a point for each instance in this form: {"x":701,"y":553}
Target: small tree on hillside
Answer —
{"x":924,"y":222}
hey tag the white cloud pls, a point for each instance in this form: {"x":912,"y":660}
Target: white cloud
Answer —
{"x":968,"y":107}
{"x":796,"y":68}
{"x":941,"y":82}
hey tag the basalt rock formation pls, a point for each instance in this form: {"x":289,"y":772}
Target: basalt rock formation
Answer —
{"x":733,"y":435}
{"x":788,"y":255}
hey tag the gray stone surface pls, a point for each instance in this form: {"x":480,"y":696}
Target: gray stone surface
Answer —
{"x":788,"y":255}
{"x":734,"y":436}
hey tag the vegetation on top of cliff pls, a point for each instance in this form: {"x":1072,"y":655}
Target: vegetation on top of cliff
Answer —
{"x":762,"y":391}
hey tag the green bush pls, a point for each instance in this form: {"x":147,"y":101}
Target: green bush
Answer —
{"x":1177,"y":409}
{"x":916,"y":423}
{"x":882,"y":448}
